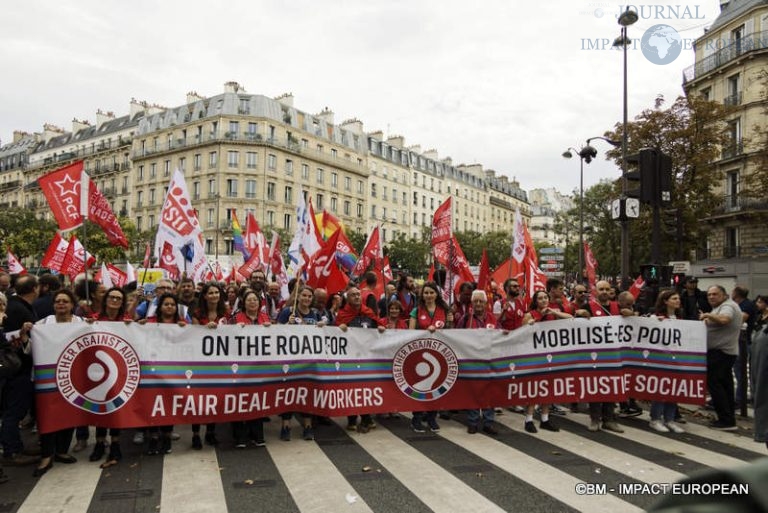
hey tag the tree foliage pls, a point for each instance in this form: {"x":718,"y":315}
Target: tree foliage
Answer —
{"x":24,"y":234}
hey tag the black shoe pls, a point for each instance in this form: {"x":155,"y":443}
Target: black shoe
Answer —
{"x":417,"y":426}
{"x":65,"y":458}
{"x":549,"y":426}
{"x":445,"y":415}
{"x":630,"y":411}
{"x":197,"y":443}
{"x":490,"y":430}
{"x":210,"y":439}
{"x":723,"y":426}
{"x":40,"y":471}
{"x":530,"y":427}
{"x":115,"y":454}
{"x":680,"y":420}
{"x":165,"y":445}
{"x":471,"y":430}
{"x":153,"y":448}
{"x":98,"y":451}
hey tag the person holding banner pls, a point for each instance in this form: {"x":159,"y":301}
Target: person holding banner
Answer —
{"x":211,"y":311}
{"x":668,"y":306}
{"x":55,"y":446}
{"x":394,"y":316}
{"x":167,"y":312}
{"x":113,"y":309}
{"x":479,"y":318}
{"x":760,"y":370}
{"x":510,"y":311}
{"x":354,"y":314}
{"x":541,"y":311}
{"x":431,"y":314}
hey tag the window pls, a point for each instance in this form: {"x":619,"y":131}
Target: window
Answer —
{"x":733,"y":92}
{"x":334,"y":153}
{"x":151,"y":199}
{"x":233,"y":158}
{"x":320,"y":175}
{"x":125,"y":185}
{"x":359,"y":210}
{"x":252,"y":130}
{"x":305,"y":171}
{"x":151,"y":222}
{"x":251,"y":158}
{"x":211,"y":218}
{"x":288,"y":197}
{"x":234,"y":128}
{"x":731,"y":247}
{"x":415,"y":199}
{"x":405,"y":198}
{"x":271,"y":191}
{"x":270,"y":218}
{"x":139,"y":199}
{"x":732,"y":190}
{"x":347,"y":183}
{"x":211,"y":188}
{"x":347,"y":208}
{"x":195,"y":190}
{"x":288,"y":167}
{"x":287,"y":221}
{"x":208,"y":246}
{"x":152,"y":171}
{"x":212,"y":158}
{"x":139,"y":222}
{"x":140,"y":173}
{"x":334,"y":179}
{"x":705,"y":94}
{"x":359,"y":186}
{"x":167,"y":168}
{"x":319,"y":202}
{"x":271,"y":162}
{"x":250,"y":189}
{"x":182,"y":164}
{"x":232,"y":188}
{"x":197,"y":162}
{"x":334,"y":204}
{"x":373,"y":190}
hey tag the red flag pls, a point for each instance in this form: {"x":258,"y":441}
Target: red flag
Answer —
{"x":484,"y":274}
{"x":118,"y":277}
{"x":254,"y":240}
{"x":590,"y":263}
{"x":637,"y":286}
{"x":54,"y":255}
{"x":73,"y":263}
{"x":386,"y":270}
{"x":372,"y":252}
{"x":168,"y":260}
{"x":323,"y":271}
{"x":441,"y":223}
{"x":534,"y":277}
{"x":345,"y":253}
{"x":146,"y":257}
{"x":254,"y":264}
{"x":62,"y":189}
{"x":14,"y":266}
{"x":277,"y":266}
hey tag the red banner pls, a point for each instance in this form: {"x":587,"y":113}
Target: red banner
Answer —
{"x":103,"y":374}
{"x":441,"y":223}
{"x":55,"y":254}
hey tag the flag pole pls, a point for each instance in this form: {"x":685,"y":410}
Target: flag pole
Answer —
{"x":85,"y":190}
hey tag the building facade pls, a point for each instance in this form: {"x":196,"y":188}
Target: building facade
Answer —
{"x":246,"y":153}
{"x":731,"y":59}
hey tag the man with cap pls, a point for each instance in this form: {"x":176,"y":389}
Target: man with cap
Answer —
{"x":694,"y":301}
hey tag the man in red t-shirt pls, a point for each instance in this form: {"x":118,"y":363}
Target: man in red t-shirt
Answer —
{"x":510,"y":310}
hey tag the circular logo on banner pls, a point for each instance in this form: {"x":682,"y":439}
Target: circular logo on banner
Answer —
{"x":98,"y":372}
{"x":425,"y":369}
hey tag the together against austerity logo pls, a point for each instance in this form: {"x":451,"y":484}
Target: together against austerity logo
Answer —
{"x":98,"y":372}
{"x":425,"y":369}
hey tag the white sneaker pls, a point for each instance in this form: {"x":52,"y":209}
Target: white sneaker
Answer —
{"x":659,"y":426}
{"x":674,"y":427}
{"x":175,"y":436}
{"x":138,"y":437}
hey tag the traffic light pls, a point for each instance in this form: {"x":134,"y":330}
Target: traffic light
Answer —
{"x":656,"y":274}
{"x":651,"y":181}
{"x":678,"y":279}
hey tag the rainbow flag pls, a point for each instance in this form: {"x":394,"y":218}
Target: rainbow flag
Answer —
{"x":328,"y":224}
{"x":237,"y":237}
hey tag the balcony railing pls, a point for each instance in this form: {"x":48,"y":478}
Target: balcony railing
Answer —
{"x":732,"y":100}
{"x":750,"y":43}
{"x":732,"y":150}
{"x":742,"y":202}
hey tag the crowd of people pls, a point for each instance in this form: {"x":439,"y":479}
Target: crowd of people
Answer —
{"x":405,"y":304}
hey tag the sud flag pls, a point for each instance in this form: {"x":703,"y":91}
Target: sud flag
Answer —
{"x":54,"y":255}
{"x":14,"y":266}
{"x":168,"y":260}
{"x":323,"y":271}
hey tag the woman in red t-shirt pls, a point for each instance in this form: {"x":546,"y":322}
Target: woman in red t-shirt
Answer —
{"x":540,"y":311}
{"x":211,"y":311}
{"x":431,"y":314}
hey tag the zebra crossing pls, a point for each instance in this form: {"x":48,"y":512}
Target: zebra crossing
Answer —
{"x":388,"y":469}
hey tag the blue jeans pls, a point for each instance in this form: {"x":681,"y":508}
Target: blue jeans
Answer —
{"x":663,"y":411}
{"x":473,"y":416}
{"x":18,"y":392}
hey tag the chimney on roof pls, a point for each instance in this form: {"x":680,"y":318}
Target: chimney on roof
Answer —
{"x":431,"y":154}
{"x":50,"y":131}
{"x":416,"y":148}
{"x":285,"y":99}
{"x":326,"y":115}
{"x":102,"y":117}
{"x":136,"y":107}
{"x":353,"y":125}
{"x":378,"y":135}
{"x":18,"y":135}
{"x":78,"y":125}
{"x":397,"y":141}
{"x":193,"y":97}
{"x":490,"y":174}
{"x":233,"y":87}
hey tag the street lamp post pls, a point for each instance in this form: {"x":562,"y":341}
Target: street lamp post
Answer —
{"x":586,"y":153}
{"x":627,"y":18}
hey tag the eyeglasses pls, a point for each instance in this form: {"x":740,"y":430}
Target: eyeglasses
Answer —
{"x":115,"y":298}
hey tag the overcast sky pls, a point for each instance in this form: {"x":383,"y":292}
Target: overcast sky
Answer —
{"x":507,"y":84}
